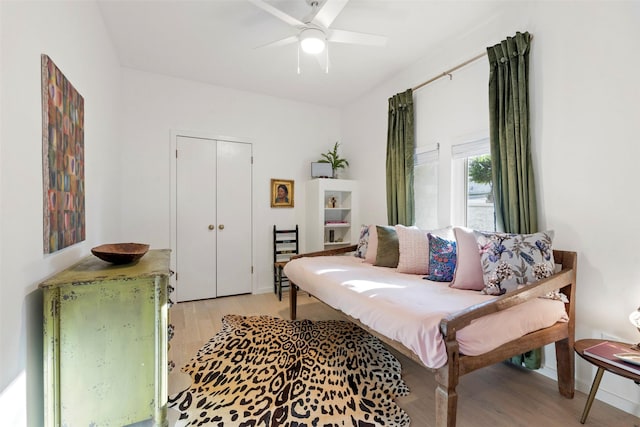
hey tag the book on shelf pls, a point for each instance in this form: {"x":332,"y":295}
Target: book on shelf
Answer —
{"x":606,"y":351}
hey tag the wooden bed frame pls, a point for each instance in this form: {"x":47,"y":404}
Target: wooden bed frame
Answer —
{"x":561,"y":334}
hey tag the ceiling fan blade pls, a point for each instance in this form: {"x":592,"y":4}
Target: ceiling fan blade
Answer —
{"x":278,"y":43}
{"x":277,"y":13}
{"x":329,"y":12}
{"x":342,"y":36}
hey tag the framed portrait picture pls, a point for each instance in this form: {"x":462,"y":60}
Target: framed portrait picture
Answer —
{"x":281,"y":193}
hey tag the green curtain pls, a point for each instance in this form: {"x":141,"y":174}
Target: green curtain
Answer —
{"x":512,"y":169}
{"x":513,"y":183}
{"x":400,"y":151}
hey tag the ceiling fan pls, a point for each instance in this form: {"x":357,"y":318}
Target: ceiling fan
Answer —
{"x":314,"y":30}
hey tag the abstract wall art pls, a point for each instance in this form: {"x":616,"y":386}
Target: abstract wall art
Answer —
{"x":62,"y":159}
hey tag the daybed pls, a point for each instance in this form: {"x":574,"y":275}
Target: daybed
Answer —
{"x":447,"y":336}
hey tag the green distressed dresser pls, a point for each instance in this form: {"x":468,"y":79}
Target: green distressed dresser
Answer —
{"x":105,"y":343}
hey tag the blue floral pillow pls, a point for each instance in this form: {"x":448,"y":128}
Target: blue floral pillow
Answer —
{"x":442,"y":259}
{"x":363,"y":242}
{"x":511,"y":261}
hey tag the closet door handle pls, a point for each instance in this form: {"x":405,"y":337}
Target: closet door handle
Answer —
{"x":221,"y":226}
{"x":212,"y":227}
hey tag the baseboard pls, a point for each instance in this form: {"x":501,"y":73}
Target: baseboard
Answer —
{"x":267,"y":289}
{"x":605,"y":394}
{"x":263,"y":290}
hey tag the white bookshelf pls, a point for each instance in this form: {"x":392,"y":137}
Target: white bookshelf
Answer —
{"x":331,"y":226}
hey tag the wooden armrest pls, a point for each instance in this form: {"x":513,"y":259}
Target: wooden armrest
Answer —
{"x":328,"y":252}
{"x":452,"y":323}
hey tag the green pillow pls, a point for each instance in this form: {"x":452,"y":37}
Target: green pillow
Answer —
{"x":388,"y":248}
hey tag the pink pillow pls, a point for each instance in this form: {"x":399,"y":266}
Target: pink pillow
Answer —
{"x":372,"y":249}
{"x":414,"y":250}
{"x":468,"y":274}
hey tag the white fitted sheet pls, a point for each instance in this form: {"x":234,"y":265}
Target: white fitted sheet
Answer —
{"x":408,"y":309}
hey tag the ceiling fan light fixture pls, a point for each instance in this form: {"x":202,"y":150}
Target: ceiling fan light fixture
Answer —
{"x":312,"y":40}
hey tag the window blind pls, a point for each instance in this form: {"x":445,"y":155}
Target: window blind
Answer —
{"x":426,"y":156}
{"x":470,"y":149}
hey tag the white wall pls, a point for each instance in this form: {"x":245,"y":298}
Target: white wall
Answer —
{"x":127,"y":127}
{"x":585,"y":125}
{"x":72,"y":34}
{"x":286,"y":136}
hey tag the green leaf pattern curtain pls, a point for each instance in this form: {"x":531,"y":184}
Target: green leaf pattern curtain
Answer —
{"x":512,"y":169}
{"x":400,"y":152}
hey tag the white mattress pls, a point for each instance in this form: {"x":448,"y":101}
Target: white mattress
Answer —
{"x":408,"y":309}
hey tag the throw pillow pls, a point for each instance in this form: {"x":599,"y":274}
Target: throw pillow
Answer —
{"x":511,"y":261}
{"x":442,"y":259}
{"x":413,"y":246}
{"x":363,"y":242}
{"x":445,"y":233}
{"x":468,"y":274}
{"x":388,"y":251}
{"x":372,"y":247}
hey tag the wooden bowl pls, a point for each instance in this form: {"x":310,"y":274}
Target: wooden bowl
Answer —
{"x":120,"y":253}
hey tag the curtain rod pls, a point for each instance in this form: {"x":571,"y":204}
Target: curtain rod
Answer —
{"x":457,"y":67}
{"x":449,"y":71}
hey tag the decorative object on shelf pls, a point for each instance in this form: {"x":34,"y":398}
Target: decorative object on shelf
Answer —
{"x":333,"y":158}
{"x":634,"y":318}
{"x":281,"y":193}
{"x":321,"y":170}
{"x":332,"y":203}
{"x":120,"y":253}
{"x":62,"y":163}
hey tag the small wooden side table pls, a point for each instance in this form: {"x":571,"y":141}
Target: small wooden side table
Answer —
{"x":579,"y":348}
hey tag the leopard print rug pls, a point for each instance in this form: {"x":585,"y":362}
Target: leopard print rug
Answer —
{"x":266,"y":371}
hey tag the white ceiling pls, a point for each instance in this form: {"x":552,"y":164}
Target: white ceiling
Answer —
{"x":214,"y":41}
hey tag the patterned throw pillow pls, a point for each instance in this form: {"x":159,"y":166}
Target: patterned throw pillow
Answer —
{"x":372,"y":246}
{"x":363,"y":242}
{"x":512,"y":261}
{"x":442,"y":259}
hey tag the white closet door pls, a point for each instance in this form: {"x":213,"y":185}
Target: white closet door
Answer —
{"x":195,"y":219}
{"x":213,"y":218}
{"x":234,"y":218}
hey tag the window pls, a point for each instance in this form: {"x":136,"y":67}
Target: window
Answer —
{"x":425,"y":187}
{"x":472,"y":195}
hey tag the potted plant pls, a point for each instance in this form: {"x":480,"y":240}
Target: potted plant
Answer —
{"x":332,"y":157}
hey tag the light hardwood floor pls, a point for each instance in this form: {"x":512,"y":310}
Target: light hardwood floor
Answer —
{"x":501,"y":395}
